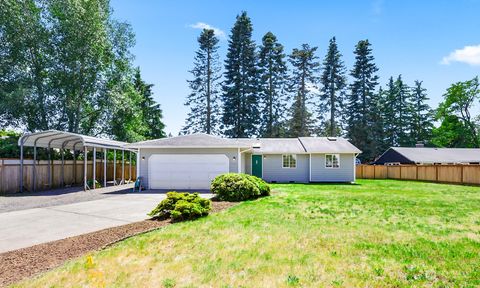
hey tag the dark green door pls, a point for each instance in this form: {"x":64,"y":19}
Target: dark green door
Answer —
{"x":257,"y":165}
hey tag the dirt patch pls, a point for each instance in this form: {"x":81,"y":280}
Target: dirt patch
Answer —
{"x":23,"y":263}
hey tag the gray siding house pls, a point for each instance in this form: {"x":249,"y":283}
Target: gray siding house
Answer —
{"x":193,"y":161}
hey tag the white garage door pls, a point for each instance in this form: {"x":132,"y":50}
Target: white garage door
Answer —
{"x":185,"y":171}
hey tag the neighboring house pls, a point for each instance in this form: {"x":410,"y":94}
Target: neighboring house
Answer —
{"x":193,"y":161}
{"x":428,"y":156}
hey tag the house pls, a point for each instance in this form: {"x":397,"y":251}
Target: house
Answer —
{"x":193,"y":161}
{"x":428,"y":156}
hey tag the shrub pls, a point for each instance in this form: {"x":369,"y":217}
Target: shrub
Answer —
{"x":90,"y":184}
{"x":262,"y":185}
{"x":239,"y":187}
{"x":182,"y":206}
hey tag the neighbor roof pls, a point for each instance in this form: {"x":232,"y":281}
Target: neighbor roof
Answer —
{"x":261,"y":145}
{"x":439,"y":155}
{"x":190,"y":141}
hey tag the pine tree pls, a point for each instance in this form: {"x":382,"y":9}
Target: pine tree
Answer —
{"x":422,"y":118}
{"x":403,"y":110}
{"x":240,"y":97}
{"x":389,"y":113}
{"x":377,"y":123}
{"x":333,"y":88}
{"x":303,"y":80}
{"x":152,"y":114}
{"x":273,"y":73}
{"x":359,"y":106}
{"x":204,"y":115}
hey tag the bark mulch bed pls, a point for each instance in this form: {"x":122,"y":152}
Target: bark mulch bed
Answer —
{"x":23,"y":263}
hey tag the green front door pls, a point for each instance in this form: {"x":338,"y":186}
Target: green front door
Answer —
{"x":257,"y":165}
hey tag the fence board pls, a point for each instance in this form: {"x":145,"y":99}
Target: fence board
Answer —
{"x":393,"y":172}
{"x":471,"y":175}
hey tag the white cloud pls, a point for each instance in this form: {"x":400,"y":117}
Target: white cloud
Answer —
{"x":468,"y":54}
{"x":201,"y":25}
{"x":377,"y":7}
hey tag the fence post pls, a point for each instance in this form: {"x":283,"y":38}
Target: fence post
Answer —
{"x":461,"y":173}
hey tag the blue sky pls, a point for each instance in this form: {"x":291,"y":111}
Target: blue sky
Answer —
{"x":437,"y":42}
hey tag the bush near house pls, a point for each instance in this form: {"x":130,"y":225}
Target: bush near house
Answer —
{"x":239,"y":187}
{"x":182,"y":206}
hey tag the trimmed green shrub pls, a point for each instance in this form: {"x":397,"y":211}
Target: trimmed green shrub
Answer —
{"x":262,"y":185}
{"x":239,"y":187}
{"x":182,"y":206}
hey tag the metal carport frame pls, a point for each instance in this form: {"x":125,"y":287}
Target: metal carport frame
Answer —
{"x":53,"y":139}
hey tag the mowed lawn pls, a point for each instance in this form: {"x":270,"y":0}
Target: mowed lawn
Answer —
{"x":373,"y":234}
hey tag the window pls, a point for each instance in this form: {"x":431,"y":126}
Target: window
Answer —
{"x":332,"y":161}
{"x":289,"y":161}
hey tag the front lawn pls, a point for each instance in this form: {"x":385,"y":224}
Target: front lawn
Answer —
{"x":374,"y":234}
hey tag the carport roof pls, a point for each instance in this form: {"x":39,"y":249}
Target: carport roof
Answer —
{"x":67,"y":140}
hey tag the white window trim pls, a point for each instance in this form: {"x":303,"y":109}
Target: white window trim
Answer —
{"x":338,"y":157}
{"x":294,"y":156}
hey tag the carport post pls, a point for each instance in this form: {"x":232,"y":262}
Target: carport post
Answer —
{"x":21,"y":165}
{"x":94,"y":172}
{"x":114,"y":167}
{"x":123,"y":166}
{"x":49,"y":167}
{"x":35,"y":167}
{"x":130,"y":166}
{"x":85,"y":154}
{"x":105,"y":167}
{"x":62,"y":152}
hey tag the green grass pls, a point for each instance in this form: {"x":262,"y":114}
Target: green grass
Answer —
{"x":374,"y":234}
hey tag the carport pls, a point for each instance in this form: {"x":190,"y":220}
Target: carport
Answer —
{"x":72,"y":143}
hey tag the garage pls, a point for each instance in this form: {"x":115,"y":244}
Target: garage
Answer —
{"x":185,"y":171}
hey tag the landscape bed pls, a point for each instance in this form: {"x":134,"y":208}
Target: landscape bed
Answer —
{"x":376,"y":233}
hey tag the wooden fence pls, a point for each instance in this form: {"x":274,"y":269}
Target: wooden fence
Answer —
{"x":462,"y":174}
{"x":10,"y":174}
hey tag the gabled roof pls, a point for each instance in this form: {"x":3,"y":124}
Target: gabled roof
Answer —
{"x":261,"y":145}
{"x":439,"y":155}
{"x":274,"y":145}
{"x":199,"y":140}
{"x":328,"y":145}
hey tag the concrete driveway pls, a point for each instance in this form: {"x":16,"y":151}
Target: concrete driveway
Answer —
{"x":28,"y":226}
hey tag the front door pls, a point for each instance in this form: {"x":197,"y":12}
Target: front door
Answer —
{"x":257,"y":165}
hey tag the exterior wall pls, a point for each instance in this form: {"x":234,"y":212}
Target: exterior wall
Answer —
{"x":345,"y":173}
{"x":147,"y":152}
{"x":273,"y":170}
{"x":247,"y":157}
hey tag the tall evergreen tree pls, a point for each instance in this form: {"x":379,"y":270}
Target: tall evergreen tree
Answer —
{"x":389,"y":114}
{"x":403,"y":109}
{"x":305,"y":68}
{"x":422,"y":117}
{"x":204,"y":112}
{"x":136,"y":116}
{"x":333,"y":88}
{"x":240,"y":98}
{"x":152,"y":114}
{"x":359,"y":106}
{"x":273,"y":74}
